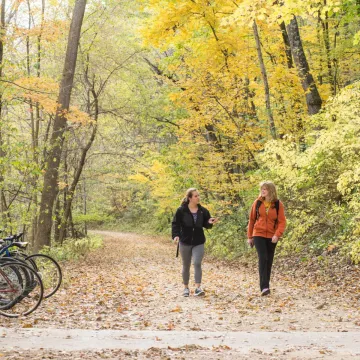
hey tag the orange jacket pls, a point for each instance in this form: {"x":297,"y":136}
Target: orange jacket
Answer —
{"x":265,"y":225}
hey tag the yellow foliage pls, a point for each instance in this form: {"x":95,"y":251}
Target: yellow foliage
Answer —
{"x":49,"y":31}
{"x":140,"y":178}
{"x":75,"y":115}
{"x":62,"y":185}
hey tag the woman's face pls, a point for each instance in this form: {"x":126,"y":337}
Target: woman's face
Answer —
{"x":195,"y":199}
{"x":264,"y":192}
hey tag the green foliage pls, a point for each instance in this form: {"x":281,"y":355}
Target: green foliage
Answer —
{"x":73,"y":249}
{"x":93,"y":219}
{"x":355,"y":252}
{"x":228,"y":238}
{"x":320,"y":186}
{"x":189,"y":113}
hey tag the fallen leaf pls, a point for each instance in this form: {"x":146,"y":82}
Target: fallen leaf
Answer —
{"x":321,"y":306}
{"x":27,"y":326}
{"x":176,"y":309}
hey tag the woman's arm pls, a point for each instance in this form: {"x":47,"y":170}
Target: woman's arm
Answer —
{"x":207,"y":217}
{"x":176,"y":224}
{"x":252,"y":219}
{"x":281,"y":221}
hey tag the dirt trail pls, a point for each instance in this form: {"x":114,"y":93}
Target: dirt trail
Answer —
{"x":134,"y":283}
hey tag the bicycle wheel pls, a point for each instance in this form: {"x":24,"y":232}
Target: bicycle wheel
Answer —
{"x":23,"y":294}
{"x":49,"y":271}
{"x":11,"y":286}
{"x":28,"y":279}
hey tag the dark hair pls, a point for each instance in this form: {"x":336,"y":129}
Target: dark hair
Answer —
{"x":188,"y":195}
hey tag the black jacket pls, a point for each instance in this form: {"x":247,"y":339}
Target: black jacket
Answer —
{"x":189,"y":232}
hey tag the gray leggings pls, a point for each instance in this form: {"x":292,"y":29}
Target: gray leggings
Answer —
{"x":188,"y":251}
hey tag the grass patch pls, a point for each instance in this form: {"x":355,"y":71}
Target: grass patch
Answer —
{"x":73,"y":249}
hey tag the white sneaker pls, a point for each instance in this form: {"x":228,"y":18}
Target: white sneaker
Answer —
{"x":199,"y":292}
{"x":265,"y":292}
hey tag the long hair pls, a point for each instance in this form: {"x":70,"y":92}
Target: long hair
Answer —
{"x":270,"y":187}
{"x":188,"y":196}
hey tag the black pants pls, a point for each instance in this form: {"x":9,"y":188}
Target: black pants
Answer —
{"x":266,"y":250}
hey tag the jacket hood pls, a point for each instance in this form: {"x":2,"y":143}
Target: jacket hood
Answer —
{"x":186,"y":206}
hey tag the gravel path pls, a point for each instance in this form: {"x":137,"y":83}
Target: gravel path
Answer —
{"x":134,"y":283}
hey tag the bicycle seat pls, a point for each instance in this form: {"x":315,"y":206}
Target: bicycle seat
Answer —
{"x":21,"y":245}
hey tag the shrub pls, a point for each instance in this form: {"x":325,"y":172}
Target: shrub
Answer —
{"x":73,"y":248}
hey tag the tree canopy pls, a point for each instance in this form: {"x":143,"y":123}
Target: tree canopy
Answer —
{"x":168,"y":95}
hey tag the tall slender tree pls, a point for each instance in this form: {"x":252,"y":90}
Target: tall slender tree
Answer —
{"x":313,"y":99}
{"x":50,"y":188}
{"x":265,"y":81}
{"x":2,"y":152}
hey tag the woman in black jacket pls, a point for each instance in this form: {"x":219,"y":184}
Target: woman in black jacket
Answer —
{"x":187,"y":227}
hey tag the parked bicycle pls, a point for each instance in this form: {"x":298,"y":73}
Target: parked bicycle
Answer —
{"x":21,"y":288}
{"x":46,"y":267}
{"x":25,"y":279}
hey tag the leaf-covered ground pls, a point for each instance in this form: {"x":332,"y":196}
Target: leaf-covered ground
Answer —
{"x":134,"y":283}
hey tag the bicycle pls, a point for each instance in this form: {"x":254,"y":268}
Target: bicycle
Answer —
{"x":21,"y":289}
{"x":45,"y":266}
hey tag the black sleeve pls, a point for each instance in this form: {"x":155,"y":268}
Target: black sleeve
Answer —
{"x":207,"y":216}
{"x":176,"y":224}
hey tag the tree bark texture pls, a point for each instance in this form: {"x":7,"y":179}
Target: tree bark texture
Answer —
{"x":3,"y":207}
{"x":287,"y":46}
{"x":313,"y":99}
{"x":265,"y":81}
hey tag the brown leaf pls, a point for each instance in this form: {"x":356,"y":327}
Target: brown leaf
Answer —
{"x":319,"y":307}
{"x":27,"y":326}
{"x":176,"y":309}
{"x":171,"y":326}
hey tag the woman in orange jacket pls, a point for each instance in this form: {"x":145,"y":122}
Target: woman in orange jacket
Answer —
{"x":266,"y":225}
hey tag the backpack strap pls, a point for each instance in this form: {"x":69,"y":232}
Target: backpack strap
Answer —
{"x":277,"y":206}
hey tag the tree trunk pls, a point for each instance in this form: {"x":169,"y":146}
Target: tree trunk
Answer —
{"x":37,"y":107}
{"x":71,"y":192}
{"x":3,"y":206}
{"x":35,"y":115}
{"x":313,"y":99}
{"x":85,"y":205}
{"x":286,"y":40}
{"x":57,"y":220}
{"x":57,"y":138}
{"x":325,"y":27}
{"x":265,"y":81}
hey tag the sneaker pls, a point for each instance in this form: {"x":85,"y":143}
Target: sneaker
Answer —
{"x":199,"y":292}
{"x":265,"y":292}
{"x":186,"y":292}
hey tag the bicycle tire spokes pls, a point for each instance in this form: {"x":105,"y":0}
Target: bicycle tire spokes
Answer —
{"x":48,"y":270}
{"x":29,"y":289}
{"x":11,"y":286}
{"x":25,"y":280}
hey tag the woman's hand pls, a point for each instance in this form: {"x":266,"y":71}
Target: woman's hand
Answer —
{"x":274,"y":239}
{"x":176,"y":239}
{"x":251,"y":242}
{"x":213,"y":220}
